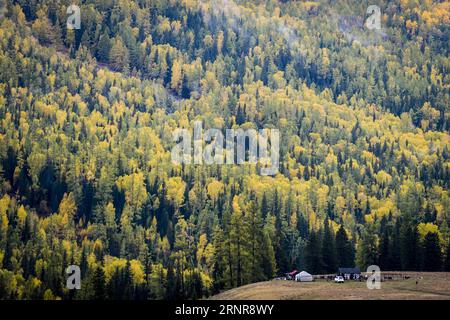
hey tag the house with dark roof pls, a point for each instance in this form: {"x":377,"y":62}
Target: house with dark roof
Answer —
{"x":350,"y":273}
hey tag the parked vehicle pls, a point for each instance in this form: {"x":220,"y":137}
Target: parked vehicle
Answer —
{"x":339,"y":279}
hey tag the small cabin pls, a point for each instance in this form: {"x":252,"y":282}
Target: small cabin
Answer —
{"x":349,"y":273}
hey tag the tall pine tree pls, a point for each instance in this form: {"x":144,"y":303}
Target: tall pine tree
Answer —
{"x":329,"y":249}
{"x":432,"y":252}
{"x":344,"y":249}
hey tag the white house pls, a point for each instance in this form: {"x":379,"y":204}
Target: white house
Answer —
{"x":304,"y":277}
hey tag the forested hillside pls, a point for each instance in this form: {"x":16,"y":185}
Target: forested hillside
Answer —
{"x":86,"y":123}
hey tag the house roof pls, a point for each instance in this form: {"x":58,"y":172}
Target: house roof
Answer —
{"x":349,"y":270}
{"x":293,"y":273}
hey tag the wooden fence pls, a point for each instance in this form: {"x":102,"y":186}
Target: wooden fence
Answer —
{"x":385,"y":276}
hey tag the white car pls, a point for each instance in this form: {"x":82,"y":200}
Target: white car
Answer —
{"x":339,"y":279}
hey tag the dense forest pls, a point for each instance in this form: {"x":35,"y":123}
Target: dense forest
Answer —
{"x":86,"y":123}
